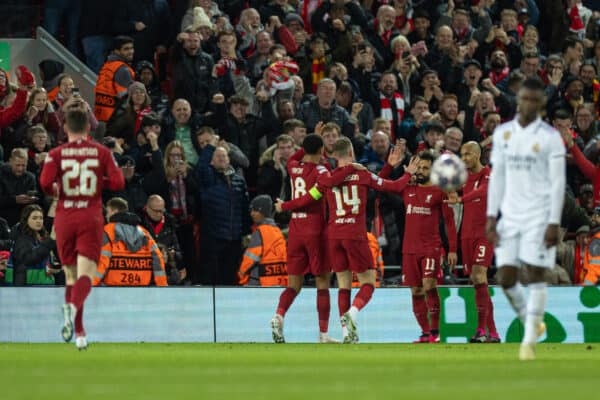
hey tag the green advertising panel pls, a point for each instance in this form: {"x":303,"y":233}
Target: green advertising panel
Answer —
{"x":5,"y":56}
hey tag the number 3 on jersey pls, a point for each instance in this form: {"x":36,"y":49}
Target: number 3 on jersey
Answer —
{"x":87,"y":177}
{"x":347,"y":196}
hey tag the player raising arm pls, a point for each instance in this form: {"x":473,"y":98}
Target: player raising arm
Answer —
{"x":77,"y":172}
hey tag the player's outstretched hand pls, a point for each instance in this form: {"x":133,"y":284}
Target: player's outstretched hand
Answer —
{"x":452,"y":260}
{"x":490,"y":231}
{"x":411,"y":168}
{"x":396,"y":156}
{"x":359,"y":167}
{"x":278,"y":206}
{"x":551,"y":235}
{"x":453,"y":198}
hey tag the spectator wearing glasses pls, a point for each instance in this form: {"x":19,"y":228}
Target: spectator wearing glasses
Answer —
{"x":163,"y":228}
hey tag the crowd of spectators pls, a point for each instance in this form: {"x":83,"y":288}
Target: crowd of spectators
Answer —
{"x":212,"y":97}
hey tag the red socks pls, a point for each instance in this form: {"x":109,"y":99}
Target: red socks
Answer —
{"x":285,"y":300}
{"x":68,"y":291}
{"x":482,"y":300}
{"x":363,"y":296}
{"x":80,"y":291}
{"x":343,"y":301}
{"x":79,"y":331}
{"x":323,"y":309}
{"x":420,"y":311}
{"x":433,"y":305}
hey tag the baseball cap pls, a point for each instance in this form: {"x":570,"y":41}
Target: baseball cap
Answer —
{"x":263,"y":204}
{"x":472,"y":61}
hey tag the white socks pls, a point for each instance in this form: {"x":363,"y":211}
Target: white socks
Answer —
{"x":516,"y":297}
{"x":353,"y":313}
{"x":536,"y":304}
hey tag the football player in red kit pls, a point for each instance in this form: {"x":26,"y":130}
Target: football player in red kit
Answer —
{"x":77,"y":172}
{"x":348,"y":248}
{"x":305,"y":245}
{"x":421,"y":247}
{"x":477,"y":251}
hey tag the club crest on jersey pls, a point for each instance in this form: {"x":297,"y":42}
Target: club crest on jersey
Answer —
{"x":536,"y":148}
{"x":506,"y":135}
{"x":428,"y":198}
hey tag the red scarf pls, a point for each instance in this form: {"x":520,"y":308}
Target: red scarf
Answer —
{"x":499,"y":77}
{"x":157,"y":226}
{"x":139,"y":116}
{"x":386,"y":111}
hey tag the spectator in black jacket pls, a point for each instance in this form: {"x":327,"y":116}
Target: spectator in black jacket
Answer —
{"x":244,"y":130}
{"x":17,"y":186}
{"x":146,"y":74}
{"x":194,"y":75}
{"x":163,"y":228}
{"x":31,"y":250}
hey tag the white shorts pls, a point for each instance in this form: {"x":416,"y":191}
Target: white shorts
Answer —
{"x":523,"y":245}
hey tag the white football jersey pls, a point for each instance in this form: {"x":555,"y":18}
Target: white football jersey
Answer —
{"x":524,"y":190}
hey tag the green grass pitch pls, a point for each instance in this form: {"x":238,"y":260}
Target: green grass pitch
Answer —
{"x":297,"y":371}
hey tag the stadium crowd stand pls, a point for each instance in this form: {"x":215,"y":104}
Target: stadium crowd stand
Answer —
{"x":197,"y":109}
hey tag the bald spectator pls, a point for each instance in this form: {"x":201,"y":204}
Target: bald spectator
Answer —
{"x":224,"y":205}
{"x":375,"y":153}
{"x":163,"y":228}
{"x":453,"y":139}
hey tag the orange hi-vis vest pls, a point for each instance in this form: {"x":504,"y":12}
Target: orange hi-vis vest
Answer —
{"x":52,"y":94}
{"x":107,"y":90}
{"x":591,"y":262}
{"x":377,"y":261}
{"x":129,"y":257}
{"x":264,"y":262}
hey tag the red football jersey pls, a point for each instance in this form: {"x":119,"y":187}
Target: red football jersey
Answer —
{"x":475,"y":203}
{"x":424,"y":207}
{"x":309,"y":219}
{"x":347,"y":203}
{"x":81,"y":169}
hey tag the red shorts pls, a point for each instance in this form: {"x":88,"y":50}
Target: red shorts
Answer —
{"x":78,"y":233}
{"x":350,"y":254}
{"x":476,"y":252}
{"x":306,"y":254}
{"x":416,"y":267}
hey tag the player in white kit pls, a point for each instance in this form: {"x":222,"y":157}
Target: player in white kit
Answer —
{"x":527,"y":187}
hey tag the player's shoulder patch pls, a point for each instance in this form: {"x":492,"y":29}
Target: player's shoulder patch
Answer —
{"x":321,"y":169}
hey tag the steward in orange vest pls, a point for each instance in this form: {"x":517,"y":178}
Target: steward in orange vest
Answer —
{"x":129,"y":257}
{"x":377,"y":261}
{"x":264,"y":262}
{"x":114,"y":78}
{"x":591,"y":260}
